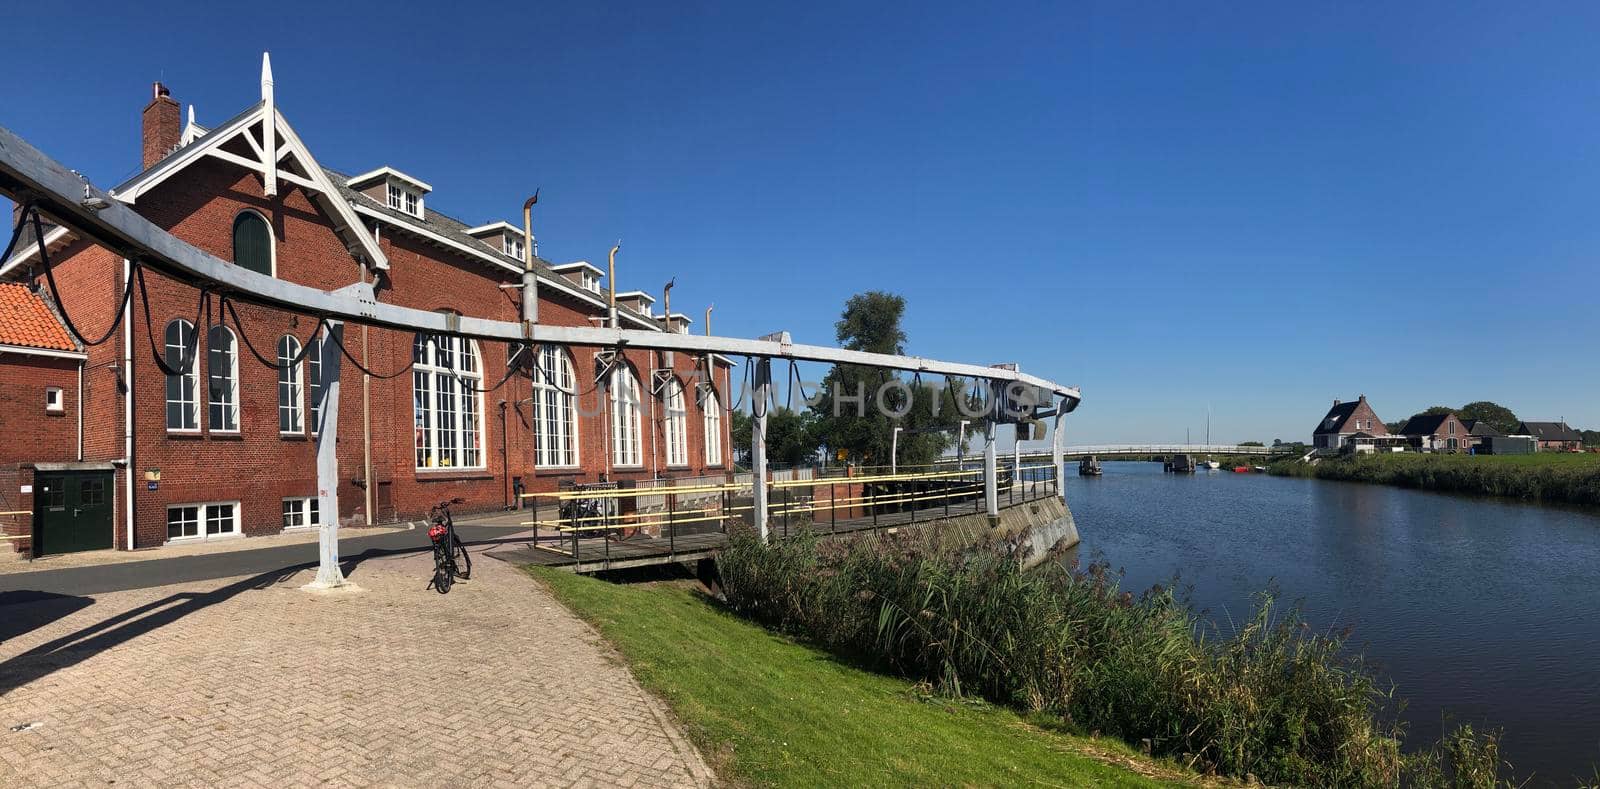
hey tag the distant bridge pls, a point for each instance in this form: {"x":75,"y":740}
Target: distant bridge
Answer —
{"x":1144,"y":450}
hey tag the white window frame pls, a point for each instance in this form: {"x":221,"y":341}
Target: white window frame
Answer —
{"x":675,"y":408}
{"x":203,"y":517}
{"x":626,"y":447}
{"x":442,"y":386}
{"x":291,"y":382}
{"x":55,"y":400}
{"x":229,"y":404}
{"x":555,"y":404}
{"x":314,"y":384}
{"x":712,"y":406}
{"x":304,"y":509}
{"x":403,"y":199}
{"x":511,"y":245}
{"x":188,"y":380}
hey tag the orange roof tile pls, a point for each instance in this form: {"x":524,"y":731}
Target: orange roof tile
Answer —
{"x":25,"y":320}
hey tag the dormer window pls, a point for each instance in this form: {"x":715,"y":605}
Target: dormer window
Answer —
{"x":512,"y":246}
{"x":392,"y":188}
{"x":580,"y":273}
{"x":589,"y":282}
{"x":403,"y":199}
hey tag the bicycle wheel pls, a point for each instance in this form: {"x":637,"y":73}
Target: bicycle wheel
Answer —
{"x":461,"y":559}
{"x":443,"y":570}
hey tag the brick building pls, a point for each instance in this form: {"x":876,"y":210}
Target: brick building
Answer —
{"x":227,"y":449}
{"x":1343,"y":421}
{"x":1438,"y":433}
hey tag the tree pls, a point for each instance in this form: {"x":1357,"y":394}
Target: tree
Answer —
{"x":1253,"y":444}
{"x":871,"y":322}
{"x":1493,"y":414}
{"x":1437,"y":410}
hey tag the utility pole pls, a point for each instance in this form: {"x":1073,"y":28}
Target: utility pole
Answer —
{"x":329,"y":576}
{"x":759,"y":405}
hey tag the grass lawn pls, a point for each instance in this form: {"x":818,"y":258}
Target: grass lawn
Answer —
{"x":765,"y":710}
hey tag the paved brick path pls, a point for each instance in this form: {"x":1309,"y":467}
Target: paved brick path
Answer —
{"x":251,"y":682}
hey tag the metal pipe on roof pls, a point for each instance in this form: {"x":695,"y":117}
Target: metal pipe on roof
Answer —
{"x":708,"y":318}
{"x":666,"y":298}
{"x":530,"y":283}
{"x":611,"y":285}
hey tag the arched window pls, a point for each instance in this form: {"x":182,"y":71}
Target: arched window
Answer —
{"x":677,"y":423}
{"x":314,"y":381}
{"x":625,"y":417}
{"x":445,"y":380}
{"x":252,"y":243}
{"x":183,"y":395}
{"x":290,"y":393}
{"x":713,"y":409}
{"x":222,"y":382}
{"x":555,"y":407}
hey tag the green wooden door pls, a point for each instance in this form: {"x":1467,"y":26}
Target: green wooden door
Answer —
{"x":72,"y":512}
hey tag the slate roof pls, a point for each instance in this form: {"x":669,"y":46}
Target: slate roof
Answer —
{"x":27,"y":321}
{"x":1339,"y":414}
{"x":1478,"y":427}
{"x":1549,"y":431}
{"x":1423,"y":424}
{"x":456,"y":230}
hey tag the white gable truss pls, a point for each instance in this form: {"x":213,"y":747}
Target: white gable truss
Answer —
{"x":271,"y":150}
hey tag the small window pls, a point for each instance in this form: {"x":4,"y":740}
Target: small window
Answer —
{"x":93,"y":492}
{"x":299,"y":513}
{"x":513,"y":246}
{"x":590,"y":282}
{"x":252,"y":243}
{"x":403,"y":199}
{"x":54,"y":401}
{"x":202,"y":521}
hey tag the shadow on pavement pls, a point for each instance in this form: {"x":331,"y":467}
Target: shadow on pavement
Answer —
{"x":25,"y":611}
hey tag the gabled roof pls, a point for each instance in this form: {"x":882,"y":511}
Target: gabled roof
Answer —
{"x":26,"y":321}
{"x":501,"y":226}
{"x":1549,"y":431}
{"x":1423,"y":424}
{"x":384,"y":173}
{"x":1336,"y":417}
{"x":1478,"y":427}
{"x":290,"y":162}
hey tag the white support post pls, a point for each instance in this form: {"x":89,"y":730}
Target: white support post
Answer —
{"x":991,"y":495}
{"x":1016,"y":459}
{"x":329,"y":576}
{"x":759,"y":404}
{"x":1058,"y":442}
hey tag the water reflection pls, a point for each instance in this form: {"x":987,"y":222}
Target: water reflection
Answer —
{"x":1476,"y":608}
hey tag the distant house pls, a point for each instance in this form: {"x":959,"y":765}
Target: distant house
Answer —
{"x":1343,"y":421}
{"x":1437,"y":433}
{"x":1478,"y":431}
{"x":1552,"y":436}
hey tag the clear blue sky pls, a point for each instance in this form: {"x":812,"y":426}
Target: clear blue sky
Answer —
{"x":1263,"y":206}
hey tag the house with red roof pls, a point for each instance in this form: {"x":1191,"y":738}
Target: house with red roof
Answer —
{"x":41,"y":455}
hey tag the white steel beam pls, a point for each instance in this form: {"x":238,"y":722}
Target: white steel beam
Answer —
{"x":27,"y":174}
{"x":329,"y":575}
{"x":760,"y":404}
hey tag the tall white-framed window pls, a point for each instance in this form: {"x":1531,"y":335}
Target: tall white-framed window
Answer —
{"x":677,"y":423}
{"x":446,"y":401}
{"x":314,"y":381}
{"x":183,"y":389}
{"x":625,"y":417}
{"x":291,"y":393}
{"x":555,"y":404}
{"x":713,"y":411}
{"x":222,"y":380}
{"x":301,"y":512}
{"x":202,"y":521}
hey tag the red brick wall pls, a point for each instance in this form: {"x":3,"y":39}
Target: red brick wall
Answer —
{"x":258,"y":467}
{"x":33,"y":435}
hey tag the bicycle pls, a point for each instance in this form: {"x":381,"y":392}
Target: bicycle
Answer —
{"x":449,"y":554}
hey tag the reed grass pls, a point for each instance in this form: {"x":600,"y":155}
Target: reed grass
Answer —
{"x":1554,"y":478}
{"x":1270,"y":700}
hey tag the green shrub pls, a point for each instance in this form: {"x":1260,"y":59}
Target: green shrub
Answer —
{"x":1271,"y":699}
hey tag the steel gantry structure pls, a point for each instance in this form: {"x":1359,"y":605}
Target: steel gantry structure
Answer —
{"x":31,"y":178}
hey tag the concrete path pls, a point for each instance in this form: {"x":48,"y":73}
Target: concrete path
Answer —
{"x":248,"y":681}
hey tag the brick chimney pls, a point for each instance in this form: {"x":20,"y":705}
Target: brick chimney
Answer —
{"x":163,"y":125}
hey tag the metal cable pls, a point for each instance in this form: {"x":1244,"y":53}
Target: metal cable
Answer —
{"x":31,"y":213}
{"x":191,"y":353}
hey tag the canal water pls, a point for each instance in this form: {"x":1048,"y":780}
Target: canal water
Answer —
{"x":1477,"y":610}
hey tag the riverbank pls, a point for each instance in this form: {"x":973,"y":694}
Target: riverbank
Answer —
{"x":1552,"y":478}
{"x":767,"y":711}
